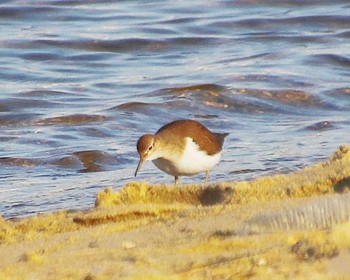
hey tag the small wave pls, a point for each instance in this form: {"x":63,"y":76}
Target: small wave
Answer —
{"x":41,"y":56}
{"x":4,"y":107}
{"x":44,"y":93}
{"x":333,"y":59}
{"x":23,"y":162}
{"x":68,"y":162}
{"x":312,"y":20}
{"x":91,"y":160}
{"x":118,"y":46}
{"x":86,"y":161}
{"x":98,"y":132}
{"x":71,"y":119}
{"x":17,"y":119}
{"x":15,"y":104}
{"x":215,"y":97}
{"x":344,"y":91}
{"x":345,"y":34}
{"x":10,"y":74}
{"x":126,"y":45}
{"x":145,"y":109}
{"x":209,"y":95}
{"x":285,"y":81}
{"x":23,"y":11}
{"x":202,"y":87}
{"x":321,"y":126}
{"x":81,"y":161}
{"x":288,"y":97}
{"x":133,"y":106}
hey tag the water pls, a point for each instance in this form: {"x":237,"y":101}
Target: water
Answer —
{"x":81,"y":81}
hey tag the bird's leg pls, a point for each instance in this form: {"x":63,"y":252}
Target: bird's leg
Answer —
{"x":176,"y":180}
{"x":206,"y":177}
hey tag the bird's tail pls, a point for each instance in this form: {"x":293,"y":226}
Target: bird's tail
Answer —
{"x":221,"y":137}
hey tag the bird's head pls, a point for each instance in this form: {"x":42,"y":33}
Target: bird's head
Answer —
{"x":146,"y":149}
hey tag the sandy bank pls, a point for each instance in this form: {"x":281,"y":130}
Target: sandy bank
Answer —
{"x":293,"y":226}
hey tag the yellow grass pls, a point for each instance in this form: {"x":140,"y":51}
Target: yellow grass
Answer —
{"x":149,"y":231}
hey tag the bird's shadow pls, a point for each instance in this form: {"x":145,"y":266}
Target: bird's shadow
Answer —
{"x":215,"y":195}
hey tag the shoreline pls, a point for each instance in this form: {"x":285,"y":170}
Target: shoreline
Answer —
{"x":227,"y":230}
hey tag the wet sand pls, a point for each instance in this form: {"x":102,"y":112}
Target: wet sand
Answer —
{"x":291,"y":226}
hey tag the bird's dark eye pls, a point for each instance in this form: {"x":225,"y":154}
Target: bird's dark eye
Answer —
{"x":150,"y":147}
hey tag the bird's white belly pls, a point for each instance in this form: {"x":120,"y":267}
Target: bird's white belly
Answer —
{"x":192,"y":161}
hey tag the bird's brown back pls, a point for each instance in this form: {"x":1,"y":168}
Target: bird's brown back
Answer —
{"x":208,"y":141}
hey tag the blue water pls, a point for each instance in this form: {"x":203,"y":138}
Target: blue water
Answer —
{"x":81,"y":81}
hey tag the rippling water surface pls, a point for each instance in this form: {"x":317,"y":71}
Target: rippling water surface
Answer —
{"x":82,"y":80}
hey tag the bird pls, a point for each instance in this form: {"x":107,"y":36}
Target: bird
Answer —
{"x":181,"y":148}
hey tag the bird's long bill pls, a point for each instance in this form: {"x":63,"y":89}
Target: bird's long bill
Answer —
{"x":139,"y":166}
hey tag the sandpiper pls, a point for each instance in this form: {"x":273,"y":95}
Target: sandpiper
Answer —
{"x":181,"y":148}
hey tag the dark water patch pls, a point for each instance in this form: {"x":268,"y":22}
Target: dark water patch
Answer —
{"x":67,"y":16}
{"x":310,"y":21}
{"x":24,"y":11}
{"x":213,"y":88}
{"x":17,"y":119}
{"x":340,"y":97}
{"x":127,"y":45}
{"x":208,"y":117}
{"x":75,"y":2}
{"x":7,"y":138}
{"x":283,"y":3}
{"x":41,"y":56}
{"x":86,"y":161}
{"x":160,"y":31}
{"x":68,"y":162}
{"x":93,"y":160}
{"x":245,"y":58}
{"x":4,"y":108}
{"x":286,"y":37}
{"x":194,"y":41}
{"x":23,"y":162}
{"x":329,"y":59}
{"x":15,"y":44}
{"x":133,"y":106}
{"x":45,"y":93}
{"x":16,"y":104}
{"x":345,"y":34}
{"x":321,"y":126}
{"x":343,"y":91}
{"x":81,"y":162}
{"x":178,"y":20}
{"x":85,"y":57}
{"x":71,"y":119}
{"x":118,"y":46}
